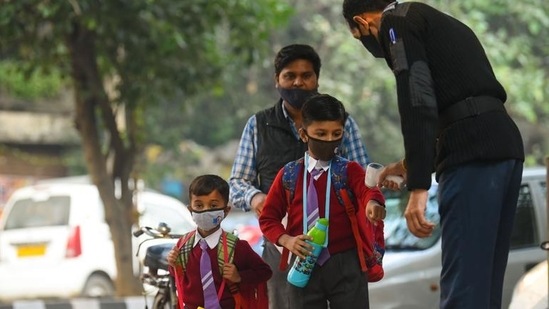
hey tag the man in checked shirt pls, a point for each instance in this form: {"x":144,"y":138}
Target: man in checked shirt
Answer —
{"x":270,"y":140}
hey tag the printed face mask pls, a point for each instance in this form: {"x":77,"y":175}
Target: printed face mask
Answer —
{"x":209,"y":219}
{"x":296,"y":96}
{"x":372,"y":45}
{"x":323,"y":150}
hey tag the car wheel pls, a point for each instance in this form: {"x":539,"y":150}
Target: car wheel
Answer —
{"x":98,"y":286}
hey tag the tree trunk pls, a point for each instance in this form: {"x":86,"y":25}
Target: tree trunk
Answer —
{"x":90,"y":99}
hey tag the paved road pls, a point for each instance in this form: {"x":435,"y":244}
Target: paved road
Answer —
{"x":136,"y":302}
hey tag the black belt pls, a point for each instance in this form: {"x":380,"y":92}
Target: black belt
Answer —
{"x":470,"y":107}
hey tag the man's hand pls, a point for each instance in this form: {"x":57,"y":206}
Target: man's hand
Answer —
{"x":387,"y":179}
{"x":257,"y":203}
{"x":230,"y":272}
{"x":297,"y":245}
{"x":415,"y":214}
{"x":374,"y":211}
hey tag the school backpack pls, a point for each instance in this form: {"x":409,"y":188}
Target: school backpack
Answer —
{"x":369,"y":238}
{"x":245,"y":296}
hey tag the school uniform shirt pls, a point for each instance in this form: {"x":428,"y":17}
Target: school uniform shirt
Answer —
{"x":251,"y":267}
{"x":340,"y":234}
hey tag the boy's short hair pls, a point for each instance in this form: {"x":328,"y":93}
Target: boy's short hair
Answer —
{"x":294,"y":52}
{"x":352,"y":8}
{"x":323,"y":107}
{"x":206,"y":184}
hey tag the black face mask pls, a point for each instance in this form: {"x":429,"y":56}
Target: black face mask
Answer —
{"x":372,"y":45}
{"x":323,"y":150}
{"x":296,"y":96}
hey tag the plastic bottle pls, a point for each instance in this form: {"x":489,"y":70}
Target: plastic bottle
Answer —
{"x":301,"y":271}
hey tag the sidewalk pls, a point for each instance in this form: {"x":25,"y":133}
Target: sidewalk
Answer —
{"x":134,"y":302}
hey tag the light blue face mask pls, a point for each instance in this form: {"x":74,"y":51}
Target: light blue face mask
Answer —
{"x":209,"y":219}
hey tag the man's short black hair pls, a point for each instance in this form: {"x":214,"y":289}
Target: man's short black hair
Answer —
{"x":294,"y":52}
{"x":352,"y":8}
{"x":206,"y":184}
{"x":322,"y":107}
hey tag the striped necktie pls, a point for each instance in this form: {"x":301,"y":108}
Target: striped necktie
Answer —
{"x":312,"y":211}
{"x":312,"y":200}
{"x":208,"y":285}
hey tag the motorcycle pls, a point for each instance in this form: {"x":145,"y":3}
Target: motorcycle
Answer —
{"x":155,"y":276}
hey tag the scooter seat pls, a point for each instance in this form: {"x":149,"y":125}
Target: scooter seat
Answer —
{"x":156,"y":257}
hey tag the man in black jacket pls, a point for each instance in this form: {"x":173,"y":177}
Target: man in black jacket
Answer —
{"x":453,"y":122}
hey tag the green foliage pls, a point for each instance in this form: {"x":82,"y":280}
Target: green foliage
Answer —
{"x":200,"y":68}
{"x":31,"y":85}
{"x":126,"y":57}
{"x":364,"y":84}
{"x":511,"y":32}
{"x":154,"y":55}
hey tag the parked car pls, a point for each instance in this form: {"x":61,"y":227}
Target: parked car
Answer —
{"x":531,"y":290}
{"x":55,"y":243}
{"x":413,"y":265}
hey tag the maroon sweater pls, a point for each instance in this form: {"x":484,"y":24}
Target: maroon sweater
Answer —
{"x":340,"y":234}
{"x":251,"y":267}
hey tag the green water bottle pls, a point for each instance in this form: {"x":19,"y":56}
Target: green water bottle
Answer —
{"x":301,"y":271}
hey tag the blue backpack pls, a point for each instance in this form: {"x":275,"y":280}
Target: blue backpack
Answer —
{"x":369,"y":238}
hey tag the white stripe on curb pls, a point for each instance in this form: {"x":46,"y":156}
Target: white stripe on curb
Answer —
{"x":134,"y":302}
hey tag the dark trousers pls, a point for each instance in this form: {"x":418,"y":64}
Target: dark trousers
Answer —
{"x":277,"y":286}
{"x":477,"y":203}
{"x":338,"y":284}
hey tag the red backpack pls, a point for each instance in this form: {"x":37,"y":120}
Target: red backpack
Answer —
{"x":245,"y":296}
{"x":369,"y":238}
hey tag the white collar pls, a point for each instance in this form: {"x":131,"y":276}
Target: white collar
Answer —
{"x":212,"y":239}
{"x":313,"y":163}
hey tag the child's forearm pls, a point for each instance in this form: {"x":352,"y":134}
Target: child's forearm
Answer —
{"x":283,"y":240}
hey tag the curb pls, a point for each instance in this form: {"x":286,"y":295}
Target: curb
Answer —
{"x":134,"y":302}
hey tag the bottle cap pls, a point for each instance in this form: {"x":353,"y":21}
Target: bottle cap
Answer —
{"x":322,"y":223}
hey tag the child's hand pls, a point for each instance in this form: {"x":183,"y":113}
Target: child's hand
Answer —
{"x":297,"y":245}
{"x":172,"y":257}
{"x":374,"y":211}
{"x":230,"y":272}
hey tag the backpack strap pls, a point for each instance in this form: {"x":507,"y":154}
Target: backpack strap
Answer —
{"x":224,"y":256}
{"x":174,"y":270}
{"x":225,"y":253}
{"x":289,"y":179}
{"x":346,"y":197}
{"x":350,"y":210}
{"x":185,"y":245}
{"x":339,"y":179}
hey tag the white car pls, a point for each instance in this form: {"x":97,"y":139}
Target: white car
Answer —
{"x":55,"y":243}
{"x":531,"y":290}
{"x":412,"y":265}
